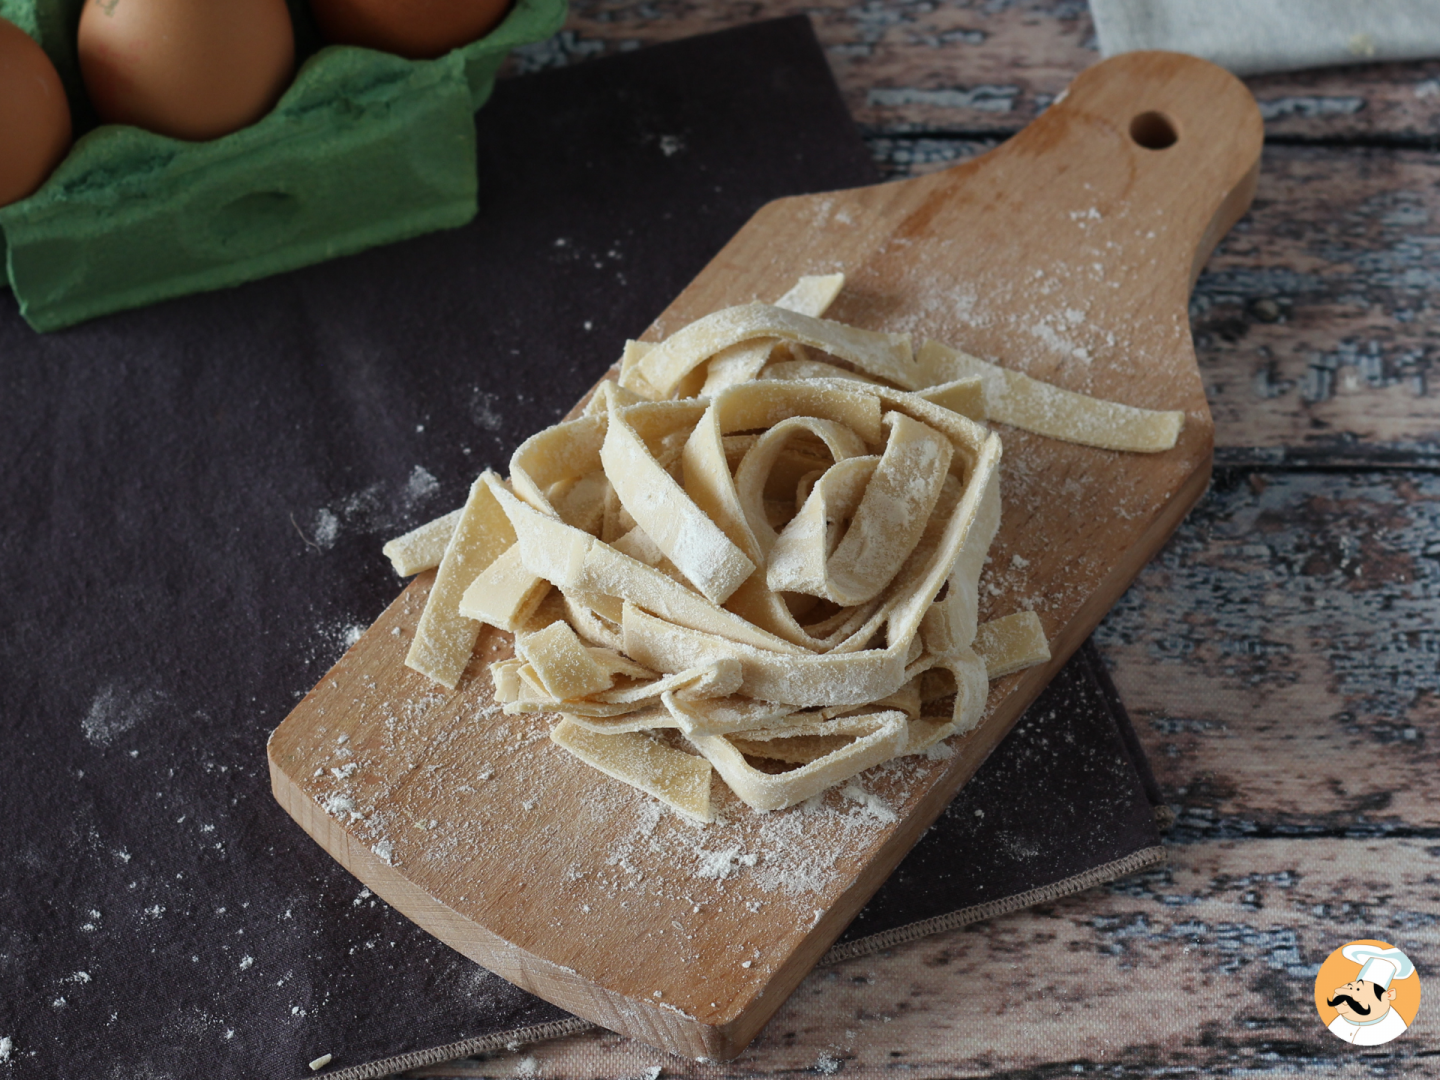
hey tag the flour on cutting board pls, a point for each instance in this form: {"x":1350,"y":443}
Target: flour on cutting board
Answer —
{"x":1051,"y":327}
{"x":624,"y":840}
{"x":433,"y":783}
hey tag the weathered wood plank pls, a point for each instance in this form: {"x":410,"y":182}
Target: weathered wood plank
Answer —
{"x":1281,"y":658}
{"x":1315,"y":321}
{"x":980,"y":65}
{"x":1199,"y":969}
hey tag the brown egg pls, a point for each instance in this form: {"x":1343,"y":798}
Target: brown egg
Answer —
{"x":34,"y":115}
{"x":418,"y":29}
{"x":193,"y":69}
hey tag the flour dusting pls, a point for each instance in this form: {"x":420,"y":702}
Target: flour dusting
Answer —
{"x":484,"y":409}
{"x":721,"y":865}
{"x":375,"y":509}
{"x":421,"y":486}
{"x":327,"y":529}
{"x":115,"y":711}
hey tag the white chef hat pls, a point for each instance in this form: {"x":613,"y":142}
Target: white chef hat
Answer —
{"x":1378,"y":965}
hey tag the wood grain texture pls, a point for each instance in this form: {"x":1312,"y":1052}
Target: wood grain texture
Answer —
{"x":1316,"y":320}
{"x":1281,"y":658}
{"x":976,"y":66}
{"x":1204,"y":968}
{"x":1073,"y":240}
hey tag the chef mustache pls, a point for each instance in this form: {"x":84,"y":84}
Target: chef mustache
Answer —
{"x":1363,"y":1010}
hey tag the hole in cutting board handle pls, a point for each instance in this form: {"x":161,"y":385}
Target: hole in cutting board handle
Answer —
{"x":1153,"y":130}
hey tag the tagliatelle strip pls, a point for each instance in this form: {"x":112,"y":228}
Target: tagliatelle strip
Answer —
{"x":577,"y":561}
{"x":563,"y":664}
{"x":444,"y":639}
{"x":813,"y":294}
{"x":505,"y":593}
{"x":674,"y":777}
{"x":892,"y":514}
{"x":1012,"y":643}
{"x":663,"y":367}
{"x":964,"y":396}
{"x":621,"y":703}
{"x":1023,"y":402}
{"x":775,"y":791}
{"x":423,"y":548}
{"x":745,"y":556}
{"x":679,"y":528}
{"x":741,"y":363}
{"x":806,"y":679}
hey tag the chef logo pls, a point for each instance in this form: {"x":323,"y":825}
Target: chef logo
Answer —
{"x":1367,"y":993}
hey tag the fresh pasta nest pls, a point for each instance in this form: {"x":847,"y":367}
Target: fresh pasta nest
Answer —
{"x":756,"y":554}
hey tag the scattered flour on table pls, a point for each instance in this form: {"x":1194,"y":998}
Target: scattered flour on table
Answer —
{"x":619,"y":847}
{"x":484,"y":409}
{"x":115,"y":711}
{"x":375,"y":509}
{"x":421,"y":486}
{"x":327,"y":529}
{"x":330,"y":640}
{"x":340,"y":805}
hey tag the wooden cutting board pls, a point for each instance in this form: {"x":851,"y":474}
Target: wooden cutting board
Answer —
{"x":1067,"y":253}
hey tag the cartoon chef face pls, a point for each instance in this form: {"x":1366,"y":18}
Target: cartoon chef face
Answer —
{"x":1361,"y":1001}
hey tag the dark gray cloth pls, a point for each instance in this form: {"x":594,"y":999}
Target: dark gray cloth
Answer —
{"x":194,"y":499}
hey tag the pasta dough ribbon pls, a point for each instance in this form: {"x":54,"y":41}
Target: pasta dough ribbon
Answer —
{"x":741,"y":363}
{"x":664,"y":366}
{"x":676,"y":778}
{"x":769,"y":791}
{"x":660,"y":506}
{"x":577,"y":561}
{"x":1016,"y":399}
{"x":855,"y":678}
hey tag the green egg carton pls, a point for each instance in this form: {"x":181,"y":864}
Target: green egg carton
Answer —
{"x":365,"y":148}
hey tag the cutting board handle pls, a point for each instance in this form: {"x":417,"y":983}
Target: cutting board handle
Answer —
{"x":1164,"y":131}
{"x":1178,"y":125}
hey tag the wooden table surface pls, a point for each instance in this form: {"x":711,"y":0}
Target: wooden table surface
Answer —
{"x":1281,"y":658}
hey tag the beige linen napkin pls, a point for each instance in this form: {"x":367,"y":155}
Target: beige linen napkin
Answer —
{"x":1252,"y":36}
